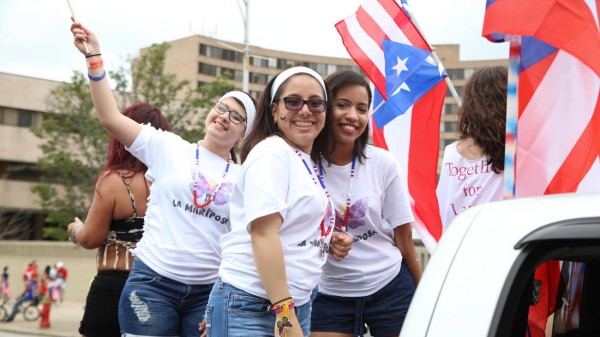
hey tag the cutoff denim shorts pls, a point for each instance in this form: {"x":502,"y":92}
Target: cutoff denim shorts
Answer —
{"x":233,"y":312}
{"x":153,"y":305}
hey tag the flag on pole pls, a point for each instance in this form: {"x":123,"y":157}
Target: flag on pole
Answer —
{"x":557,"y":107}
{"x":558,"y":138}
{"x":363,"y":34}
{"x":408,"y":125}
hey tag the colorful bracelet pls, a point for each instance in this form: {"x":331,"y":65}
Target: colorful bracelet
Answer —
{"x":99,"y":78}
{"x":88,"y":56}
{"x":95,"y":64}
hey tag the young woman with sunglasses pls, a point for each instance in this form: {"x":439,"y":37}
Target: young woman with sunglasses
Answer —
{"x":176,"y":262}
{"x":281,"y":216}
{"x":375,"y":283}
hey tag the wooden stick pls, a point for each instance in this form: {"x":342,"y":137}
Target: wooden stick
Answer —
{"x":87,"y":51}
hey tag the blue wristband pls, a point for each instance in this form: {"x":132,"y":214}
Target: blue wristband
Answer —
{"x":93,"y":78}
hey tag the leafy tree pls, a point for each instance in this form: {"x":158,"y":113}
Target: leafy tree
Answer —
{"x":74,"y":143}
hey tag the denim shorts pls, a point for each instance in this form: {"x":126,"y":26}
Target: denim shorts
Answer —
{"x":153,"y":305}
{"x":233,"y":312}
{"x":383,"y":312}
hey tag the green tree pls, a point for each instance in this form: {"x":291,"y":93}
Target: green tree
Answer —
{"x":74,"y":143}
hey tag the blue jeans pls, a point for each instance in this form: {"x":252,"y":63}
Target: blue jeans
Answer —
{"x":384,"y":311}
{"x":233,"y":312}
{"x":153,"y":305}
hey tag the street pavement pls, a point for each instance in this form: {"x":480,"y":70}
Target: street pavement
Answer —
{"x":64,"y":322}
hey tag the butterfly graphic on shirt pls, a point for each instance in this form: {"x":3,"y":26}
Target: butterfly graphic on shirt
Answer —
{"x":205,"y":189}
{"x":356,"y":215}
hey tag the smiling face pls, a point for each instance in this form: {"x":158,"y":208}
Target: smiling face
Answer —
{"x":219,"y":127}
{"x":350,"y":114}
{"x":299,"y":128}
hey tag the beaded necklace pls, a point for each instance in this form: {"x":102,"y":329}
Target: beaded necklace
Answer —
{"x":196,"y":177}
{"x":324,"y":231}
{"x":344,"y":225}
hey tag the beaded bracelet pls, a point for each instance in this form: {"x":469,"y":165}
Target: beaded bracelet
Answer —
{"x":88,"y":56}
{"x":94,"y":78}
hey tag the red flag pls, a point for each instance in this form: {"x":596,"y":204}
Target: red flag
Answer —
{"x":363,"y":34}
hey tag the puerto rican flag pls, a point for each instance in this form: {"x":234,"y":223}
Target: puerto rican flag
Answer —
{"x":408,"y":124}
{"x":558,"y":92}
{"x":555,"y":59}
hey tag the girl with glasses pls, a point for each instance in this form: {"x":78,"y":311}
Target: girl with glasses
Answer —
{"x":281,"y":216}
{"x":375,"y":283}
{"x":176,"y":261}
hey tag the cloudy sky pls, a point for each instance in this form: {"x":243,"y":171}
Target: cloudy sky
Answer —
{"x":35,"y":39}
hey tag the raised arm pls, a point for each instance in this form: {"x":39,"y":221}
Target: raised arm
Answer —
{"x":122,"y":128}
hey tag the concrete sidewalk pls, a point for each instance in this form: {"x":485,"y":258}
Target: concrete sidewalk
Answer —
{"x":64,"y":322}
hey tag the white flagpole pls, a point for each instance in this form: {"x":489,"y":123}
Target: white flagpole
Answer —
{"x":404,"y":4}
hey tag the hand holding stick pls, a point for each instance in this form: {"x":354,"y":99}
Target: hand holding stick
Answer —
{"x":87,"y":51}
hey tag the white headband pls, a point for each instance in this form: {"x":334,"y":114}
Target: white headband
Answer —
{"x":248,"y":106}
{"x":291,"y":72}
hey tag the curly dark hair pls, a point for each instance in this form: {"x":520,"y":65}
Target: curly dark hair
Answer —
{"x":482,"y":115}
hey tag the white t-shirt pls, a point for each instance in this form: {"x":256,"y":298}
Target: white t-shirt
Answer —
{"x":379,"y":203}
{"x":181,"y":241}
{"x":465,"y":183}
{"x":274,"y":179}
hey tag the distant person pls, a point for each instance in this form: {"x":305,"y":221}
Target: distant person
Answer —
{"x":375,"y":283}
{"x":114,"y":225}
{"x":61,"y":280}
{"x":472,"y":167}
{"x":188,"y":210}
{"x":46,"y":287}
{"x":5,"y":286}
{"x":30,"y":292}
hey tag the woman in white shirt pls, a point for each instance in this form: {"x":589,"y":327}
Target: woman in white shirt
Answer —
{"x":177,"y":260}
{"x":281,"y":217}
{"x":473,"y":166}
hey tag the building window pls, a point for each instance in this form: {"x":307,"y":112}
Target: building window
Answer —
{"x":207,"y":69}
{"x":456,"y":74}
{"x":449,"y":127}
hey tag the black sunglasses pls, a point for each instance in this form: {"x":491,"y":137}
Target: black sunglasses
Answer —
{"x":234,"y":116}
{"x":315,"y":105}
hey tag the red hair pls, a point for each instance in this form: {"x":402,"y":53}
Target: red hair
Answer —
{"x":118,"y":158}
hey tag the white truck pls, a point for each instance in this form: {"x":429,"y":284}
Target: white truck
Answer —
{"x":480,"y":279}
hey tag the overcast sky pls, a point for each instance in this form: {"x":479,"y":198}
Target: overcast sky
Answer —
{"x":35,"y":39}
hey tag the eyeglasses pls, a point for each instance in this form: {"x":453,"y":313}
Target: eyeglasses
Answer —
{"x":234,"y":116}
{"x":315,"y":106}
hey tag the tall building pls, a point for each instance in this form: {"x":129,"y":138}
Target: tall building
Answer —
{"x":198,"y":59}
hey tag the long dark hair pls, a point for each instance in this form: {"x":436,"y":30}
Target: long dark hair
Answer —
{"x":482,"y":115}
{"x":117,"y":157}
{"x":264,"y":126}
{"x":336,"y":82}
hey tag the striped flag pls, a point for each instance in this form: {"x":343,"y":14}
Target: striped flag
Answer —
{"x":363,"y":34}
{"x":408,"y":125}
{"x":555,"y":44}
